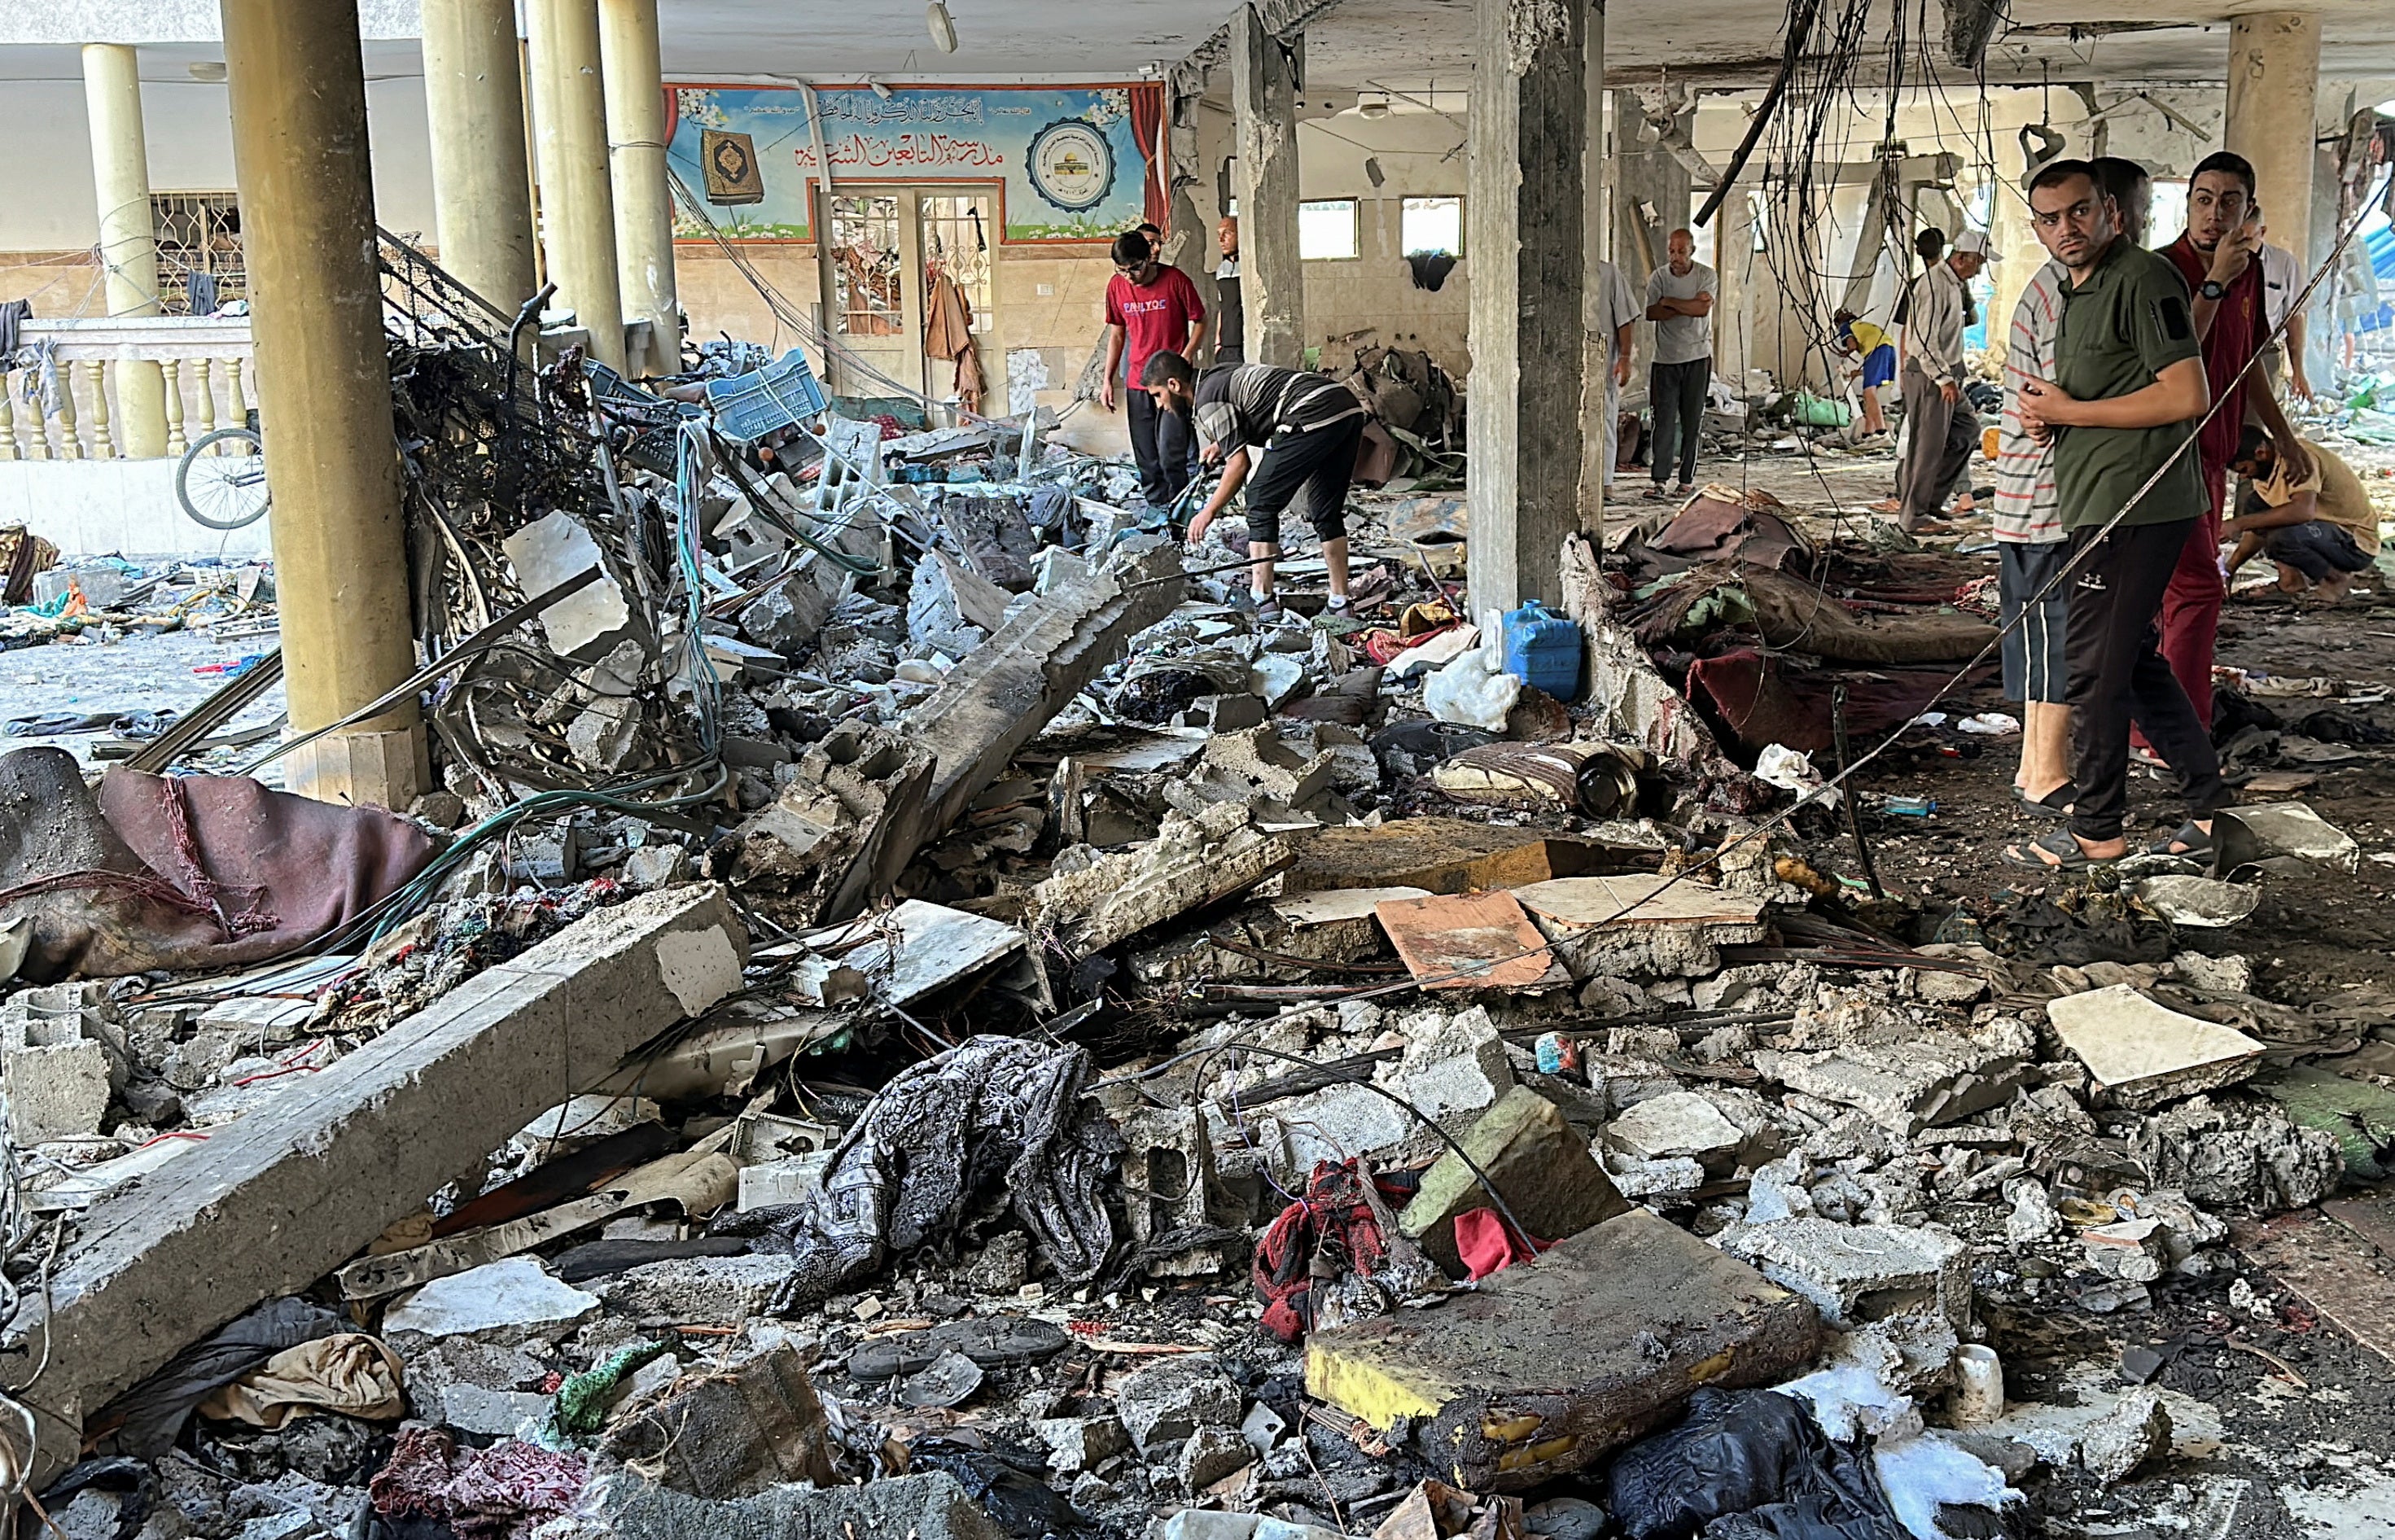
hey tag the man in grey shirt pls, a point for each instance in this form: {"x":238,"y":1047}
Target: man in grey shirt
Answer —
{"x":1940,"y":427}
{"x":1613,"y":315}
{"x":1680,"y":303}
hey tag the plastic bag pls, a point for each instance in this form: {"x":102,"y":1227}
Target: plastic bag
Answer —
{"x":1751,"y":1453}
{"x":1475,"y":690}
{"x":1780,"y":766}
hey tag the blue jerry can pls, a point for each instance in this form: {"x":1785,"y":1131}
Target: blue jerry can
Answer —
{"x":1542,"y":651}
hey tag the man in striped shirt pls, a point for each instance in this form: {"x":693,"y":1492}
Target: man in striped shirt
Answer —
{"x":2032,"y":550}
{"x":1306,"y":427}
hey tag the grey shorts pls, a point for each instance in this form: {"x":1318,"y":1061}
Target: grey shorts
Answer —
{"x":2034,"y":669}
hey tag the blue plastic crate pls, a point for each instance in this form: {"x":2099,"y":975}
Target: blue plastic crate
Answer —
{"x":783,"y":394}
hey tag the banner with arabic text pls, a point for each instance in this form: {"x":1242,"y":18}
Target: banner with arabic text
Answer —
{"x":1066,"y":158}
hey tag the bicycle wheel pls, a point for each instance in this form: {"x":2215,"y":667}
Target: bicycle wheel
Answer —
{"x":226,"y":489}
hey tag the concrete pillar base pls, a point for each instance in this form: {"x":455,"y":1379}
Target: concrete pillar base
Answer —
{"x":141,"y":408}
{"x":389,"y":768}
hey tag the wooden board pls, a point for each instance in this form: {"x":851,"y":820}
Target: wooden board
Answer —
{"x":1481,"y":942}
{"x":1659,"y":900}
{"x":2342,"y":1278}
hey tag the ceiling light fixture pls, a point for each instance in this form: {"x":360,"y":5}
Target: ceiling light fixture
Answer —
{"x":879,"y":89}
{"x":1372,"y":170}
{"x":1373,"y":107}
{"x":943,"y":25}
{"x":208,"y":70}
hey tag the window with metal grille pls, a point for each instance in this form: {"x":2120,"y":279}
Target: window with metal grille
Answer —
{"x":198,"y":234}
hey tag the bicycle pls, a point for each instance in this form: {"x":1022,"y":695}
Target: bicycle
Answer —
{"x":221,"y":482}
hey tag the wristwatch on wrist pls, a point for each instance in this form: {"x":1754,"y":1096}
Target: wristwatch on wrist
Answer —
{"x":2211,"y":289}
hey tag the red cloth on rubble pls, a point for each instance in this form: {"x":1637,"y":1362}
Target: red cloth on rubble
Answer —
{"x":1487,"y":1244}
{"x":1327,"y":1233}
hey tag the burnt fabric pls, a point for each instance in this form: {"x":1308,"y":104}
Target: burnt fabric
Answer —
{"x":180,"y":873}
{"x":1710,"y":529}
{"x":1764,"y":700}
{"x":991,"y":1113}
{"x":1323,"y":1236}
{"x":1755,"y":1454}
{"x":150,"y":1417}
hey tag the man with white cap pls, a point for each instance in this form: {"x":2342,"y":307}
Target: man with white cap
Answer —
{"x":1941,"y":426}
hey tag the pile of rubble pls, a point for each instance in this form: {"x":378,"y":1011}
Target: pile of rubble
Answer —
{"x":913,"y":1015}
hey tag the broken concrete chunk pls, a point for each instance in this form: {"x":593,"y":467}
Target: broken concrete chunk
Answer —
{"x":1075,"y":1444}
{"x":1167,"y":1401}
{"x":2143,"y":1054}
{"x":1640,"y":927}
{"x":1007,"y":689}
{"x":932,"y":1506}
{"x":1682,"y":1124}
{"x":829,"y":844}
{"x":1209,"y":1455}
{"x":788,"y":613}
{"x":586,"y":625}
{"x":1552,"y":1363}
{"x":1542,"y":1170}
{"x":1859,"y":1274}
{"x":1454,"y":1074}
{"x":1192,"y":861}
{"x":1908,"y":1078}
{"x":509,"y":1301}
{"x":734,"y":1434}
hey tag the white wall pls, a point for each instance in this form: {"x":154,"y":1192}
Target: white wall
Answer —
{"x":51,"y":205}
{"x":126,"y":507}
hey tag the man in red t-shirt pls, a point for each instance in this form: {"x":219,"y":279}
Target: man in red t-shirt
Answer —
{"x":1151,"y":309}
{"x":2216,"y":254}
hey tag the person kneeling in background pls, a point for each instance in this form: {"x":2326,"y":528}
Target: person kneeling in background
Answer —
{"x":2320,"y":529}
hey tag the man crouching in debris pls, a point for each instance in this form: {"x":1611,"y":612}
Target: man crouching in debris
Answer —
{"x":1306,"y":427}
{"x":2319,"y":527}
{"x":2128,"y":388}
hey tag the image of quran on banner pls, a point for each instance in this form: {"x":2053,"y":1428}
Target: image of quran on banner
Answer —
{"x":1067,"y":158}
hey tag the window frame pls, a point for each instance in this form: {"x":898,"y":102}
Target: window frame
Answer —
{"x":1463,"y":227}
{"x":1354,"y":207}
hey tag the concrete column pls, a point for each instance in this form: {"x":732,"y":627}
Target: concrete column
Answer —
{"x":1597,"y":339}
{"x":128,"y":240}
{"x":323,"y":390}
{"x":1264,"y":101}
{"x":636,"y":161}
{"x":1528,"y":134}
{"x":481,"y":193}
{"x":1734,"y":304}
{"x":2273,"y":95}
{"x":578,"y":208}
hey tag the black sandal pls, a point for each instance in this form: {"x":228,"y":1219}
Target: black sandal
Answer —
{"x":2047,"y":804}
{"x":2063,"y":846}
{"x":2199,"y":844}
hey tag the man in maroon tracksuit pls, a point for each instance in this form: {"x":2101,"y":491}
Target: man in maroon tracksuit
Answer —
{"x":2218,"y":256}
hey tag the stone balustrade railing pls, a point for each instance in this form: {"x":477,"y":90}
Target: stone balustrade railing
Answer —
{"x":205,"y":361}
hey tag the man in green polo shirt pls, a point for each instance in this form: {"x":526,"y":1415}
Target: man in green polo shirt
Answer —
{"x":2129,"y":387}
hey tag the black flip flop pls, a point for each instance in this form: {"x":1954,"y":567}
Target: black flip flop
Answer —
{"x":2047,"y":804}
{"x":2200,"y":845}
{"x":2063,"y":846}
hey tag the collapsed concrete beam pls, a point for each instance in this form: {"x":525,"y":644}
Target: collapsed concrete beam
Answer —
{"x":292,"y":1190}
{"x":1001,"y":695}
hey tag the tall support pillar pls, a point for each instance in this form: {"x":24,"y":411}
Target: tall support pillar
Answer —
{"x":2273,"y":97}
{"x":129,"y":239}
{"x":1529,"y":133}
{"x":569,"y":109}
{"x":1265,"y":69}
{"x":636,"y":161}
{"x":1597,"y":339}
{"x":1736,"y":269}
{"x":324,"y":385}
{"x":481,"y":193}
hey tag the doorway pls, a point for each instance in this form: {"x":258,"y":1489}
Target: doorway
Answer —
{"x":883,"y":250}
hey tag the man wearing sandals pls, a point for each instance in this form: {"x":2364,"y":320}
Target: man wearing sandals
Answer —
{"x":2129,"y":385}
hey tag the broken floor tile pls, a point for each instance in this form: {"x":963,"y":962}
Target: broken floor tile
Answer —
{"x":2143,"y":1054}
{"x":1480,"y":942}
